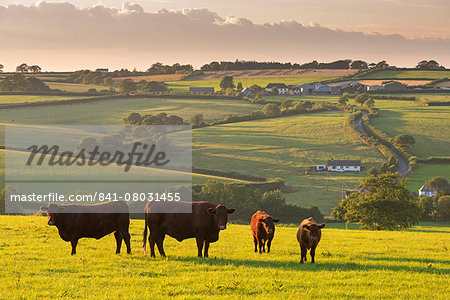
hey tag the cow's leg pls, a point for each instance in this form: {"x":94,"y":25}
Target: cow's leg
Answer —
{"x":313,"y":253}
{"x":199,"y":246}
{"x":74,"y":242}
{"x":260,"y":245}
{"x":151,"y":242}
{"x":160,"y":244}
{"x":206,"y":249}
{"x":303,"y":252}
{"x":255,"y":240}
{"x":126,"y":238}
{"x":264,"y":245}
{"x":118,"y":237}
{"x":269,"y":243}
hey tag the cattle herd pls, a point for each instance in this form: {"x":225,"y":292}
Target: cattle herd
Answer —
{"x":204,"y":223}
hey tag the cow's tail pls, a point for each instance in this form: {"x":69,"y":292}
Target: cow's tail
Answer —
{"x":144,"y":242}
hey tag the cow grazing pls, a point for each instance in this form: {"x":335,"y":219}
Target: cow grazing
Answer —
{"x":76,"y":221}
{"x":203,"y":224}
{"x":308,"y":236}
{"x":263,"y":230}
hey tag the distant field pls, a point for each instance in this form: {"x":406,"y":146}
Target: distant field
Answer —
{"x":163,"y":77}
{"x":426,"y":172}
{"x":15,"y":99}
{"x":355,"y":264}
{"x":441,"y":97}
{"x":282,"y":148}
{"x":383,"y":74}
{"x":404,"y":81}
{"x":74,"y":87}
{"x":113,"y":111}
{"x":430,"y":126}
{"x":239,"y":74}
{"x":182,"y":86}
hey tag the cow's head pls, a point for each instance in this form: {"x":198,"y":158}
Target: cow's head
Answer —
{"x":53,"y":210}
{"x":268,"y":224}
{"x":220,"y":214}
{"x":314,"y":230}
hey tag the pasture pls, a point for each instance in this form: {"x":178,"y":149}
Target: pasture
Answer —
{"x":16,"y":99}
{"x":114,"y":110}
{"x":285,"y":147}
{"x":36,"y":263}
{"x":75,"y":87}
{"x":406,"y":74}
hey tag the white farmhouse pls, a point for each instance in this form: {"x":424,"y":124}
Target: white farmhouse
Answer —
{"x":426,"y":191}
{"x":281,"y":87}
{"x":344,"y":165}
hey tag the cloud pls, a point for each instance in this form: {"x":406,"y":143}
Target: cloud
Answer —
{"x":196,"y":35}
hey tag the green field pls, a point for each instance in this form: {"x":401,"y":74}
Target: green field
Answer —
{"x":15,"y":99}
{"x":114,"y":110}
{"x":441,"y":97}
{"x":425,"y":172}
{"x":409,"y":74}
{"x":36,"y":263}
{"x":284,"y":147}
{"x":183,"y":86}
{"x":75,"y":87}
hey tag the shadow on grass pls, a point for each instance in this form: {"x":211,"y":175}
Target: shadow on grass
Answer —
{"x":409,"y":259}
{"x":319,"y":266}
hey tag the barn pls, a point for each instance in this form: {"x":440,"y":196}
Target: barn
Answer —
{"x":344,"y":165}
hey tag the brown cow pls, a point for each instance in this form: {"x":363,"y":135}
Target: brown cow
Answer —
{"x":308,"y":236}
{"x":263,"y":230}
{"x":203,"y":224}
{"x":76,"y":221}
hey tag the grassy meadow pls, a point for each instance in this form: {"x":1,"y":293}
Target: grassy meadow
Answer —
{"x":75,"y":87}
{"x":114,"y":110}
{"x":382,"y":74}
{"x":36,"y":263}
{"x":16,"y":99}
{"x":284,"y":147}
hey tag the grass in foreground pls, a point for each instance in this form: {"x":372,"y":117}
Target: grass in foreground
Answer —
{"x":36,"y":263}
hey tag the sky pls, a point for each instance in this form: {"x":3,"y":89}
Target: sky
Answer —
{"x":88,"y":34}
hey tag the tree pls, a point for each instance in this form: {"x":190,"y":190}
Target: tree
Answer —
{"x":373,"y":171}
{"x":274,"y":91}
{"x":429,"y":208}
{"x":361,"y":98}
{"x":23,"y":68}
{"x":255,"y":88}
{"x":429,"y":65}
{"x":227,"y":82}
{"x":271,"y":110}
{"x":439,"y":184}
{"x":127,"y":86}
{"x":386,"y":203}
{"x":369,"y":102}
{"x":358,"y":64}
{"x":34,"y":69}
{"x":286,"y":104}
{"x":1,"y":68}
{"x":404,"y":140}
{"x":343,"y":99}
{"x":197,"y":120}
{"x":133,"y":118}
{"x":443,"y":208}
{"x":239,"y":86}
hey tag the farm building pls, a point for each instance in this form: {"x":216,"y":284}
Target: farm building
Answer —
{"x":302,"y":89}
{"x":374,"y":87}
{"x":246,"y":92}
{"x":394,"y":86}
{"x":344,"y":165}
{"x":282,"y":88}
{"x":201,"y":89}
{"x":426,"y":191}
{"x":322,"y":89}
{"x":102,"y":70}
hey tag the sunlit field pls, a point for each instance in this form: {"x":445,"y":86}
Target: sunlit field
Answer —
{"x":36,"y":263}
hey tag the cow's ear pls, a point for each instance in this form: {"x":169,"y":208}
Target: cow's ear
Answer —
{"x":306,"y":227}
{"x":211,"y":211}
{"x":44,"y":208}
{"x":231,"y":210}
{"x":276,"y":220}
{"x":322,"y":225}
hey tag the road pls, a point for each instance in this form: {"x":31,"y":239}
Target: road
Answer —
{"x":402,"y":164}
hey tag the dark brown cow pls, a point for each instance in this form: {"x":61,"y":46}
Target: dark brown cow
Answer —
{"x":308,"y":236}
{"x":76,"y":221}
{"x":263,"y":230}
{"x":203,"y":224}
